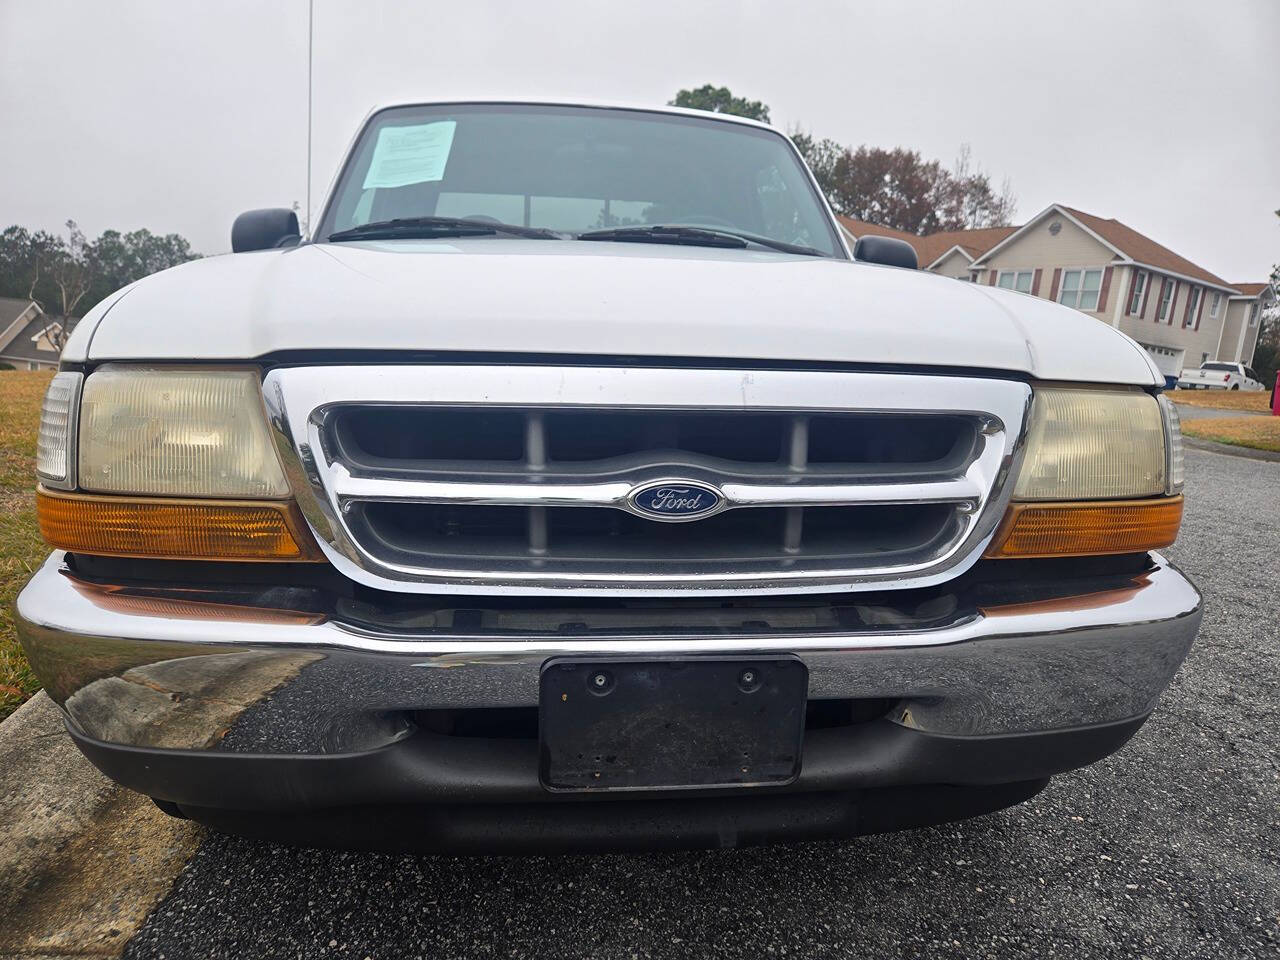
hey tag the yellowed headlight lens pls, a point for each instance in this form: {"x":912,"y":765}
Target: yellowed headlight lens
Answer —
{"x":175,"y":529}
{"x":1091,"y":445}
{"x":177,"y":432}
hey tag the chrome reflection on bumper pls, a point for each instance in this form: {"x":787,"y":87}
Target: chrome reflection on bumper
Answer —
{"x":175,"y":673}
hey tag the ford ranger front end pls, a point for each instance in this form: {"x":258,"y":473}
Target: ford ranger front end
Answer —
{"x":574,"y":487}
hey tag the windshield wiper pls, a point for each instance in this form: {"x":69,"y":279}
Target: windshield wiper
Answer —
{"x":428,"y":227}
{"x":778,"y":244}
{"x":695,"y":236}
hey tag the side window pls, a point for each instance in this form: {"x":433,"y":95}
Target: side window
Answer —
{"x":1019,"y":280}
{"x":1193,"y":304}
{"x":1139,"y":288}
{"x":1167,"y":290}
{"x":1248,"y":372}
{"x":1080,"y":289}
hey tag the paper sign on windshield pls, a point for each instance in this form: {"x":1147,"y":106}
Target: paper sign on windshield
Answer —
{"x":405,"y":155}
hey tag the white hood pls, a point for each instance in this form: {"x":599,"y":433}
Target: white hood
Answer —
{"x":599,"y":299}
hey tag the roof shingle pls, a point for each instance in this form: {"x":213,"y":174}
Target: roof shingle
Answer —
{"x":973,"y":242}
{"x":1143,"y":249}
{"x":23,"y":346}
{"x":930,"y":247}
{"x":1132,"y":245}
{"x":1251,"y":289}
{"x":11,"y":309}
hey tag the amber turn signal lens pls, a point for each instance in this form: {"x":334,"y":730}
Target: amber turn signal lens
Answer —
{"x":175,"y":529}
{"x":1085,"y":528}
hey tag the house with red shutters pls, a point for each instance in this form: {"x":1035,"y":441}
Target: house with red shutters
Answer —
{"x":1179,"y":312}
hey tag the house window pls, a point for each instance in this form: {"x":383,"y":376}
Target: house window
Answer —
{"x":1253,"y":315}
{"x":1080,"y":289}
{"x":1019,"y":280}
{"x":1139,"y":288}
{"x":1214,"y":305}
{"x":1167,"y":292}
{"x":1193,"y":302}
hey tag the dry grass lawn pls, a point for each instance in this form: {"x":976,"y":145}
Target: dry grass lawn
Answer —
{"x":1260,"y":433}
{"x":21,"y":549}
{"x":1223,"y":399}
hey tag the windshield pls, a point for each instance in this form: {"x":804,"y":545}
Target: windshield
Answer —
{"x":577,"y":169}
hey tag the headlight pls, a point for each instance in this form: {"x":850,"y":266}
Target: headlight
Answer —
{"x":177,"y":464}
{"x":1092,"y":445}
{"x":195,"y":433}
{"x":1102,"y":474}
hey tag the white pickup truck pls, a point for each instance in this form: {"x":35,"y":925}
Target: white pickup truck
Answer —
{"x":575,"y":485}
{"x":1219,"y":375}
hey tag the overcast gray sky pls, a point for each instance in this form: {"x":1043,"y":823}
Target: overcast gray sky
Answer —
{"x":176,"y":115}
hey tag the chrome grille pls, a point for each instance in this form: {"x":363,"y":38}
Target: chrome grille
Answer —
{"x":518,"y":478}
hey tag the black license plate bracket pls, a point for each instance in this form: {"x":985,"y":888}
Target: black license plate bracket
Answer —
{"x":609,"y":724}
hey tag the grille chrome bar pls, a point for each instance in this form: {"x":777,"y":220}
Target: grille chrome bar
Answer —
{"x":347,"y":487}
{"x":338,"y":494}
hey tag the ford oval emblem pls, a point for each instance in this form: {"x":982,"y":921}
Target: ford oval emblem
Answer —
{"x":675,"y":500}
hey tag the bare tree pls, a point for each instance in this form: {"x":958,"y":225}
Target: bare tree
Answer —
{"x":72,"y":276}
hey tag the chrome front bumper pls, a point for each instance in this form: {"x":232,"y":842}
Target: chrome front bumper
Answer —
{"x":146,"y":670}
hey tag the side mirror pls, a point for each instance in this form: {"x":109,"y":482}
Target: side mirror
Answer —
{"x":887,"y":250}
{"x":265,"y":230}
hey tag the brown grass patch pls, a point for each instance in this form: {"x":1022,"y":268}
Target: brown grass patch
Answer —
{"x":1259,"y":433}
{"x":21,"y":549}
{"x":1223,"y":399}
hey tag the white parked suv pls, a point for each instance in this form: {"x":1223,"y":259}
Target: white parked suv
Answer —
{"x":1219,"y":375}
{"x":576,"y":486}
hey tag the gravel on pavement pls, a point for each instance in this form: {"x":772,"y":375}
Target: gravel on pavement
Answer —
{"x":1171,"y":848}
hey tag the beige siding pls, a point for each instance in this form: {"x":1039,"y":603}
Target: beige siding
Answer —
{"x":1233,"y":346}
{"x":1197,"y":345}
{"x":954,"y":264}
{"x":1251,"y":342}
{"x":1069,"y":247}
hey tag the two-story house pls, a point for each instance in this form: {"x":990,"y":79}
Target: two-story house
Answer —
{"x":1181,"y":313}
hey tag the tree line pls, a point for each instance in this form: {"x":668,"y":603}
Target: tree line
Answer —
{"x":67,"y":275}
{"x":895,"y":188}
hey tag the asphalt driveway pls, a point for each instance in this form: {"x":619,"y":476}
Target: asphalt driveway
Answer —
{"x":1169,"y":849}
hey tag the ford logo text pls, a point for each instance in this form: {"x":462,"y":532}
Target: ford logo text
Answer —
{"x":675,"y":500}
